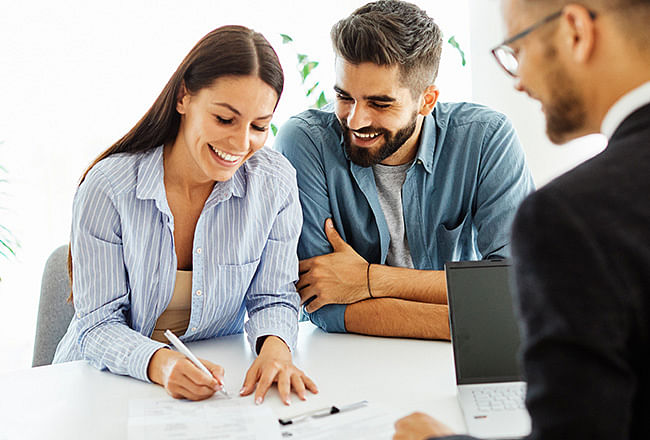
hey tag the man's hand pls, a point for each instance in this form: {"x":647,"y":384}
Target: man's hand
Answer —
{"x":336,"y":278}
{"x":419,"y":426}
{"x":274,"y":365}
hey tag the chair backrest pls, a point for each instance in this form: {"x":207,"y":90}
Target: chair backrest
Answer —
{"x":54,"y":312}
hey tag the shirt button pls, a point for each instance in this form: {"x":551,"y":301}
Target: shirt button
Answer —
{"x":193,"y":329}
{"x":78,"y":315}
{"x":199,"y":250}
{"x":198,"y":293}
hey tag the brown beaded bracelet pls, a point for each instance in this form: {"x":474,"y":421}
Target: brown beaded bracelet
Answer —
{"x":368,"y":280}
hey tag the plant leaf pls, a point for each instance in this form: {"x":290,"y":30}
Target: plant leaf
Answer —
{"x":321,"y":101}
{"x":274,"y":129}
{"x":286,"y":39}
{"x":5,"y":245}
{"x":456,"y":46}
{"x":307,"y":69}
{"x":302,"y":58}
{"x":312,"y":88}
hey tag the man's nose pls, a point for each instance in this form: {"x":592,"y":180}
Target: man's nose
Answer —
{"x":358,"y":117}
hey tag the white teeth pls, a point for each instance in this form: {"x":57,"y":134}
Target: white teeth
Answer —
{"x":366,"y":136}
{"x":225,"y":156}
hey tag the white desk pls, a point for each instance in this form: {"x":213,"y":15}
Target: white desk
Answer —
{"x":75,"y":401}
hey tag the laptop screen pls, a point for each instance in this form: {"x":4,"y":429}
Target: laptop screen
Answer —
{"x":484,"y":330}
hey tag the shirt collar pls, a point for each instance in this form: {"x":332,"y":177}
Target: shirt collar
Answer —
{"x":624,"y":107}
{"x":427,"y":141}
{"x":151,"y":185}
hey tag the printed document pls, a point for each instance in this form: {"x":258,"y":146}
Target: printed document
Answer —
{"x":370,"y":422}
{"x":167,"y":419}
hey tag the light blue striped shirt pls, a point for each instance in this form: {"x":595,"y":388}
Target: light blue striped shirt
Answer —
{"x":244,"y":259}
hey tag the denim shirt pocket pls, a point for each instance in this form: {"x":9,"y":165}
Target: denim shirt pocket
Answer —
{"x":452,"y":241}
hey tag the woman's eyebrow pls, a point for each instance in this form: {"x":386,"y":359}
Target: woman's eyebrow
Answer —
{"x":237,"y":112}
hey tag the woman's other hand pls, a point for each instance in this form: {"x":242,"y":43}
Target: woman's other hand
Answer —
{"x":181,"y":378}
{"x":274,"y":364}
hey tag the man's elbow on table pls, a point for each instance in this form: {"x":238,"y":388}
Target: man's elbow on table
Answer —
{"x":330,"y":318}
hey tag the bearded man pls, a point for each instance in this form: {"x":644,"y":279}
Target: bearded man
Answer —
{"x":394,"y":184}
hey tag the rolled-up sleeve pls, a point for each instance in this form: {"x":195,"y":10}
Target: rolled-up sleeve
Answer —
{"x":99,"y":330}
{"x":271,"y":300}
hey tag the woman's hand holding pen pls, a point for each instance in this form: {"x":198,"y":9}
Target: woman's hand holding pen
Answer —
{"x":274,"y":364}
{"x":181,"y":378}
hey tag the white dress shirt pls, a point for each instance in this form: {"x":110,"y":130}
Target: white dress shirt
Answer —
{"x":624,"y":107}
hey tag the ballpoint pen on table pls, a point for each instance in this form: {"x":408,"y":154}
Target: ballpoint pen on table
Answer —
{"x":186,"y":351}
{"x":322,"y":412}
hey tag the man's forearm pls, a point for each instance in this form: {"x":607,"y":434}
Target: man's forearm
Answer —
{"x":427,"y":286}
{"x":398,"y":318}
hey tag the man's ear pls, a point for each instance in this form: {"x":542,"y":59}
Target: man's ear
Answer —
{"x":578,"y":32}
{"x":182,"y":99}
{"x":429,"y":99}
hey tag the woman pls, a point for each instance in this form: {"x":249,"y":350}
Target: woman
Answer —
{"x":187,"y":223}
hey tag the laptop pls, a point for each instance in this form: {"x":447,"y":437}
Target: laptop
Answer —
{"x":485,"y":340}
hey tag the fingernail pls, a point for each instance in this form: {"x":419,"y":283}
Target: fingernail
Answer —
{"x":329,"y":223}
{"x":242,"y":390}
{"x":288,"y":401}
{"x":302,"y":397}
{"x":258,"y":401}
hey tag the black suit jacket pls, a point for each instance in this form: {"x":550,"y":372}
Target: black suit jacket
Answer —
{"x":581,"y":250}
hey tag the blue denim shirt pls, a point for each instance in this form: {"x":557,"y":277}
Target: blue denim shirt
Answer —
{"x":459,"y":196}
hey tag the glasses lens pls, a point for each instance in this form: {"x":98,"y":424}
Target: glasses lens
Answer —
{"x":507,"y":59}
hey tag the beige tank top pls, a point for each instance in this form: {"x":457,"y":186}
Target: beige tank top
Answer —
{"x":176,"y":316}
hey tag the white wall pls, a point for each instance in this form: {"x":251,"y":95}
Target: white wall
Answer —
{"x":76,"y":75}
{"x":493,"y":87}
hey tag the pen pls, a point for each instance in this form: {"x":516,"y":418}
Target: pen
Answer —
{"x":186,"y":351}
{"x":322,"y":412}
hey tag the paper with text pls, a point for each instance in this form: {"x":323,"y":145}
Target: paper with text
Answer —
{"x":366,"y":423}
{"x":224,"y":419}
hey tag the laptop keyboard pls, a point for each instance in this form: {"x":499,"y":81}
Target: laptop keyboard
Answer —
{"x":499,"y":399}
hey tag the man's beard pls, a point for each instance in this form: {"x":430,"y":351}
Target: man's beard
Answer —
{"x":565,"y":111}
{"x":366,"y":157}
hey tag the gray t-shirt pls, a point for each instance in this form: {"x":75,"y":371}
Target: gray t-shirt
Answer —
{"x":389,"y":180}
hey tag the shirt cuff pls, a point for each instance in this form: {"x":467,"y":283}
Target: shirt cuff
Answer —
{"x":140,"y":358}
{"x":290,"y":338}
{"x":330,"y":318}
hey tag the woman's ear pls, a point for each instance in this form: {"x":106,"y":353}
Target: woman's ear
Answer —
{"x":429,"y":99}
{"x":182,"y":99}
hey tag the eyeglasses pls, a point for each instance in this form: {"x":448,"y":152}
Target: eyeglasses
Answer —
{"x":506,"y":56}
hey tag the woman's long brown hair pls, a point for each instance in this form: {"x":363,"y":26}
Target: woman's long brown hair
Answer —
{"x":226,"y":51}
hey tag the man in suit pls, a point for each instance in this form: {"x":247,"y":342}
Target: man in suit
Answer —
{"x":581,"y":245}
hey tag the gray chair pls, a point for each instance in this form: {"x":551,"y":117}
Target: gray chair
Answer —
{"x":54,"y":311}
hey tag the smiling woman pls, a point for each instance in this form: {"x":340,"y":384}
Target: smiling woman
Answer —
{"x":186,"y":223}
